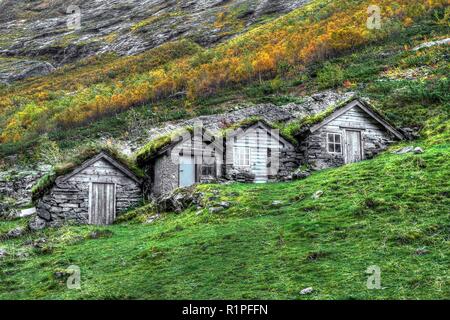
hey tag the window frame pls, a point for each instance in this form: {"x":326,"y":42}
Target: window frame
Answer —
{"x":334,"y":143}
{"x":238,"y":153}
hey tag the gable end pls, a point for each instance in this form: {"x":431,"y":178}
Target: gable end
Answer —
{"x":364,"y":107}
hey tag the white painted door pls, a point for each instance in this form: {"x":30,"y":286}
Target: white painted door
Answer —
{"x":259,"y":164}
{"x":102,"y":204}
{"x":187,"y":171}
{"x":353,"y":143}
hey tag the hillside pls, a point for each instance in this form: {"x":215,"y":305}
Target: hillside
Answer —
{"x":391,"y":212}
{"x":140,"y":69}
{"x":318,"y":46}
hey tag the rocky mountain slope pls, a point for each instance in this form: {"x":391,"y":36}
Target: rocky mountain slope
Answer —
{"x":35,"y":31}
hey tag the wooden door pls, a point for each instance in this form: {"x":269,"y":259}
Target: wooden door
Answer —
{"x":258,"y":160}
{"x":353,"y":146}
{"x":102,"y":204}
{"x":186,"y":171}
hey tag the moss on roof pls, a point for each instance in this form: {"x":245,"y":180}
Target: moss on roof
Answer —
{"x":43,"y":185}
{"x":152,"y":148}
{"x":299,"y":126}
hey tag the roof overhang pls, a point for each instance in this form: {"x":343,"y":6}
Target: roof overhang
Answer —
{"x":103,"y":156}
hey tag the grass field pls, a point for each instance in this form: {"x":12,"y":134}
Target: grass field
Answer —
{"x":392,"y":212}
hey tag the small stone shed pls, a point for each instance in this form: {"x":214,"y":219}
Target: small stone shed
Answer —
{"x":351,"y":133}
{"x":181,"y":160}
{"x":93,"y":193}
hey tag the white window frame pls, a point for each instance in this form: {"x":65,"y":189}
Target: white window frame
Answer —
{"x":239,"y":156}
{"x":334,"y":142}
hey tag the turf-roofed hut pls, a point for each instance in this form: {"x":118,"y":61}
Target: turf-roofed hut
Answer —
{"x":348,"y":133}
{"x":181,"y":159}
{"x":94,"y":189}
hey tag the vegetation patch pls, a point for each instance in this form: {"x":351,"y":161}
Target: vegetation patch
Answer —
{"x":151,"y":149}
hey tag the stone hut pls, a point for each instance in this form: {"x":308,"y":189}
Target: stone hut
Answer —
{"x":351,"y":133}
{"x":93,"y":193}
{"x":258,"y":153}
{"x":181,"y":160}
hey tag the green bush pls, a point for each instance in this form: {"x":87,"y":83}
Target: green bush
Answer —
{"x":330,"y":76}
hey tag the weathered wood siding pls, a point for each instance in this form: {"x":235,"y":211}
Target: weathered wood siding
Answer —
{"x":375,"y":138}
{"x":70,"y":200}
{"x":269,"y":157}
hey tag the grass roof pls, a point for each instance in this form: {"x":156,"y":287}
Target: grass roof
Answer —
{"x":43,"y":185}
{"x":152,"y":148}
{"x":300,"y":126}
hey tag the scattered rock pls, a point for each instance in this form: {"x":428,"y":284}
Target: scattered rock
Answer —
{"x":409,"y":149}
{"x":307,"y":291}
{"x":97,"y":234}
{"x":38,"y":243}
{"x":300,"y":174}
{"x":317,"y":194}
{"x":422,"y":251}
{"x":153,"y":218}
{"x":225,"y":204}
{"x":27,"y":212}
{"x":410,"y":133}
{"x":404,"y":150}
{"x":432,"y":44}
{"x":178,"y":200}
{"x":15,"y":233}
{"x":22,"y":254}
{"x":216,"y":209}
{"x":37,"y":223}
{"x":277,"y":203}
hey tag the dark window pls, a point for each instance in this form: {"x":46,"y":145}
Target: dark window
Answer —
{"x":334,"y":143}
{"x":208,"y":170}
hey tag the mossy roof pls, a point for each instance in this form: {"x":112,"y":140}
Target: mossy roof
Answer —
{"x":43,"y":185}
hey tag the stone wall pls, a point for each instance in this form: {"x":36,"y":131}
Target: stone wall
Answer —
{"x":15,"y":187}
{"x":164,"y":173}
{"x":290,"y":160}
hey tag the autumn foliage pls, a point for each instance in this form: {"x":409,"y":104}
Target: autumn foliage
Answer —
{"x":78,"y":94}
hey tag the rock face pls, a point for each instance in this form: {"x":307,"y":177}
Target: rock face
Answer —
{"x":68,"y":31}
{"x":15,"y":188}
{"x":18,"y":69}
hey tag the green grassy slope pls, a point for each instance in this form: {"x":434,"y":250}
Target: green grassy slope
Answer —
{"x":392,"y":211}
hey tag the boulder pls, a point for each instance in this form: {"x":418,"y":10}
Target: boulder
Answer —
{"x":176,"y":201}
{"x":300,"y":174}
{"x":152,"y":218}
{"x":15,"y":233}
{"x":3,"y":253}
{"x":277,"y":203}
{"x":307,"y":291}
{"x":317,"y":194}
{"x":404,"y":150}
{"x":37,"y":223}
{"x":418,"y":150}
{"x":216,"y":209}
{"x":27,"y":212}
